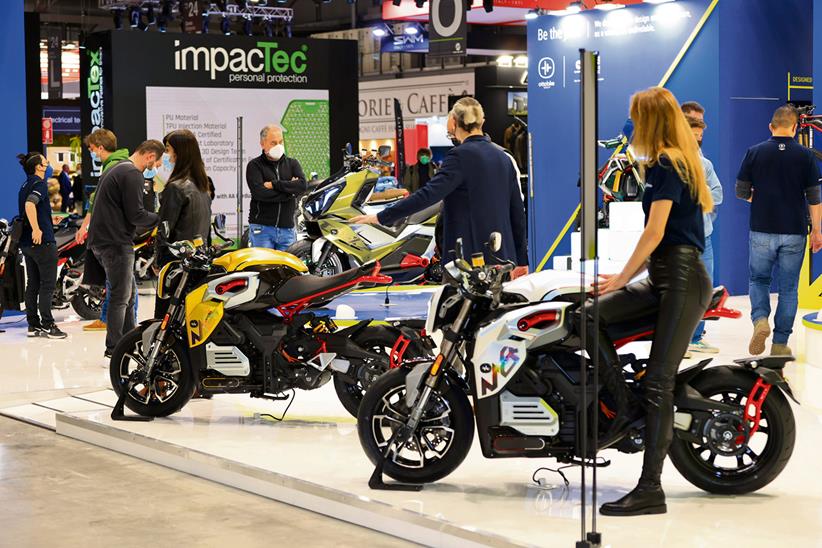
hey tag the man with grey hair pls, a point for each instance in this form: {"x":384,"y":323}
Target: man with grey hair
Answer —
{"x":275,"y":180}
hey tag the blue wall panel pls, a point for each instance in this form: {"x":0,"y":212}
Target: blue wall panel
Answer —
{"x":13,"y":98}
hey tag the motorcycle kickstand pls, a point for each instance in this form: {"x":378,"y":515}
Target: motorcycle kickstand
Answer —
{"x":118,"y":413}
{"x":376,"y":482}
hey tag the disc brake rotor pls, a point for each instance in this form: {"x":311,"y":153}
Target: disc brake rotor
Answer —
{"x":727,"y":434}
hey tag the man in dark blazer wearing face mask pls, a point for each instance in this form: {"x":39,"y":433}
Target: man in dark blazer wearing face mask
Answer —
{"x":275,"y":180}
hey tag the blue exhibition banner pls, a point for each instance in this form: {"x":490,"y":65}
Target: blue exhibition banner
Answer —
{"x":405,"y":43}
{"x":66,"y":120}
{"x":637,"y":45}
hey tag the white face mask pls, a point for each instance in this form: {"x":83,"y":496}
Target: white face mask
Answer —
{"x":276,"y":152}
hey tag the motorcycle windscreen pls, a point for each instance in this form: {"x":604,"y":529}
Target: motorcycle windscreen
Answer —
{"x":202,"y":316}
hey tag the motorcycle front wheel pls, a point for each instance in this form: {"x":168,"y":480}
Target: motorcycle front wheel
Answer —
{"x":440,"y":443}
{"x":172,"y":384}
{"x":728,"y":467}
{"x":332,"y":266}
{"x":380,"y":341}
{"x":88,"y":303}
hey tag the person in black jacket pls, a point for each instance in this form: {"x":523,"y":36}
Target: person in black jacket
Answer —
{"x":118,"y":210}
{"x":38,"y":246}
{"x":185,"y":203}
{"x":479,"y":189}
{"x":275,"y":180}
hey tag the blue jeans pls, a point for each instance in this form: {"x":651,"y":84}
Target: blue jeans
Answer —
{"x":104,"y":306}
{"x":708,"y":260}
{"x":271,"y":237}
{"x":767,"y":251}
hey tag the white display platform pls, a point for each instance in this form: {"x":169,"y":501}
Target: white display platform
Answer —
{"x":317,"y":464}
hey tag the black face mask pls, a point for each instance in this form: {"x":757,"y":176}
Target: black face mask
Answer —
{"x":454,"y":140}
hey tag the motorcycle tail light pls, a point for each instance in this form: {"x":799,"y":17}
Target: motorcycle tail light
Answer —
{"x":231,"y":286}
{"x":538,"y":320}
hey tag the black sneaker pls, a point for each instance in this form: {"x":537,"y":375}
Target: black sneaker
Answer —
{"x":53,"y":332}
{"x":36,"y":331}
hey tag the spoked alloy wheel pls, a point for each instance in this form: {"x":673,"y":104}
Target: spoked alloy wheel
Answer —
{"x":440,"y":443}
{"x":171,"y":384}
{"x":88,"y":302}
{"x":728,"y":460}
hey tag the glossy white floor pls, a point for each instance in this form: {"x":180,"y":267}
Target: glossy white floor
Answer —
{"x":313,"y":459}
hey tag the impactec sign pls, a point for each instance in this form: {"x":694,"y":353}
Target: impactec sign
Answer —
{"x":265,"y":64}
{"x":94,"y":96}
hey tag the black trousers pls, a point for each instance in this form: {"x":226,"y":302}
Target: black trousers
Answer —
{"x":118,"y":262}
{"x":41,"y":273}
{"x":679,"y":286}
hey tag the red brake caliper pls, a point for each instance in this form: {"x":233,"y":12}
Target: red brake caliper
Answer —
{"x":398,"y":351}
{"x":753,"y":406}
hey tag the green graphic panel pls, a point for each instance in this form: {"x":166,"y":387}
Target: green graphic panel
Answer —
{"x":306,"y":127}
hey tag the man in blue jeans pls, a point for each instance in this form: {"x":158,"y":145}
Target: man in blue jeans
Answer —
{"x":780,"y":178}
{"x":698,"y":128}
{"x":275,"y":180}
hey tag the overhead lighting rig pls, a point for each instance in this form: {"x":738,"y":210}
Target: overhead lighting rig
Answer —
{"x":248,"y":10}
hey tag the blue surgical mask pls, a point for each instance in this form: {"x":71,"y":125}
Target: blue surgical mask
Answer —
{"x":48,"y":174}
{"x":149,"y":172}
{"x":167,"y":163}
{"x":94,"y":156}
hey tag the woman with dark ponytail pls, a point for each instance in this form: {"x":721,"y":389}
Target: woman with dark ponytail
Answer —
{"x":38,"y":246}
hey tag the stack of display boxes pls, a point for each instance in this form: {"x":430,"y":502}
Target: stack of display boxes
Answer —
{"x":616,"y":244}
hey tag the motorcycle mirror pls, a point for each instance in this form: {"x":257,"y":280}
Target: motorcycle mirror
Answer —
{"x":4,"y":224}
{"x":165,"y":229}
{"x":458,"y":249}
{"x":349,"y":149}
{"x":495,"y":242}
{"x":384,"y":151}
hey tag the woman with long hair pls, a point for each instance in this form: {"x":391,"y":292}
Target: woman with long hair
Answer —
{"x":670,"y":248}
{"x":185,"y":203}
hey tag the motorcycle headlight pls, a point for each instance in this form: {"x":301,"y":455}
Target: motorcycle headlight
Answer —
{"x":320,"y":202}
{"x":165,"y":280}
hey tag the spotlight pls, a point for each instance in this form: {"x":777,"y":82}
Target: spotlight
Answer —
{"x":610,"y":6}
{"x":221,"y":5}
{"x":419,"y":3}
{"x":574,"y":7}
{"x":150,"y":15}
{"x":248,"y":26}
{"x":268,"y":28}
{"x":379,"y":32}
{"x":242,"y":5}
{"x":396,"y":2}
{"x":412,"y":29}
{"x":530,"y":15}
{"x":205,"y":24}
{"x":488,"y":5}
{"x":225,"y":26}
{"x":118,"y":19}
{"x":288,"y":29}
{"x":161,"y":23}
{"x":521,"y":61}
{"x":134,"y":17}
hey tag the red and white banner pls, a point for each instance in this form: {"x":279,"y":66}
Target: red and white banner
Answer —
{"x":47,"y":127}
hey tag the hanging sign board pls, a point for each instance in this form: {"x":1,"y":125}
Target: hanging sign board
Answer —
{"x":448,"y":27}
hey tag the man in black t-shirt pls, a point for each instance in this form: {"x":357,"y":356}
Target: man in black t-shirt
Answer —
{"x":780,"y":178}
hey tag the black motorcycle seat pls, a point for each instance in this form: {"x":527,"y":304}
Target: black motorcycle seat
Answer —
{"x":422,"y":216}
{"x":320,"y":288}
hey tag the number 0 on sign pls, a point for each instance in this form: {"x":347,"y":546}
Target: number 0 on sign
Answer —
{"x":446,"y":31}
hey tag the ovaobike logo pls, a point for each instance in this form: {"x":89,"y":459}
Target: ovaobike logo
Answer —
{"x":94,"y":95}
{"x":265,"y":64}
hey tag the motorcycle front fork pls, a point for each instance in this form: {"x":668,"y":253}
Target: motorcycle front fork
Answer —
{"x":162,"y":333}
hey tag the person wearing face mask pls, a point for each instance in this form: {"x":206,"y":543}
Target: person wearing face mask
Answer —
{"x":185,"y":203}
{"x":118,"y":210}
{"x":698,"y":126}
{"x":275,"y":180}
{"x":38,"y":246}
{"x":478,"y":186}
{"x":418,"y":175}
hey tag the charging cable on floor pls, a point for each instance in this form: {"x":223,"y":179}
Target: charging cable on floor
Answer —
{"x":543,"y":482}
{"x":287,"y":407}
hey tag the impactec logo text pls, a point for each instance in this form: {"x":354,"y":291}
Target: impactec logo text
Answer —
{"x":265,"y":64}
{"x":94,"y":95}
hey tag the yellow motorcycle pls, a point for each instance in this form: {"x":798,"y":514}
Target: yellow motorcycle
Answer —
{"x":241,"y":323}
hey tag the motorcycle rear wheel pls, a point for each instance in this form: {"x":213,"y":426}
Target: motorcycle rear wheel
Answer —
{"x":171,"y":388}
{"x":88,"y":304}
{"x":766,"y":452}
{"x":446,"y":430}
{"x":378,"y":340}
{"x":332,"y":266}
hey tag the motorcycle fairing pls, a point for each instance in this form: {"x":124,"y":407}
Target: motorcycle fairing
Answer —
{"x":501,"y":347}
{"x":203,"y":315}
{"x":250,"y":257}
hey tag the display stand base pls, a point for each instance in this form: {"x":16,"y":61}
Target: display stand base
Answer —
{"x":118,"y":413}
{"x":376,"y":482}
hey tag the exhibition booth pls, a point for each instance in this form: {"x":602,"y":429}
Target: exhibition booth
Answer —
{"x":301,"y":443}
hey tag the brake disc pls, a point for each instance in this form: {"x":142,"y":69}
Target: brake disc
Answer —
{"x":727,"y":434}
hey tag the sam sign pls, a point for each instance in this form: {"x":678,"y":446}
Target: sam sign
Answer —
{"x":48,"y":131}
